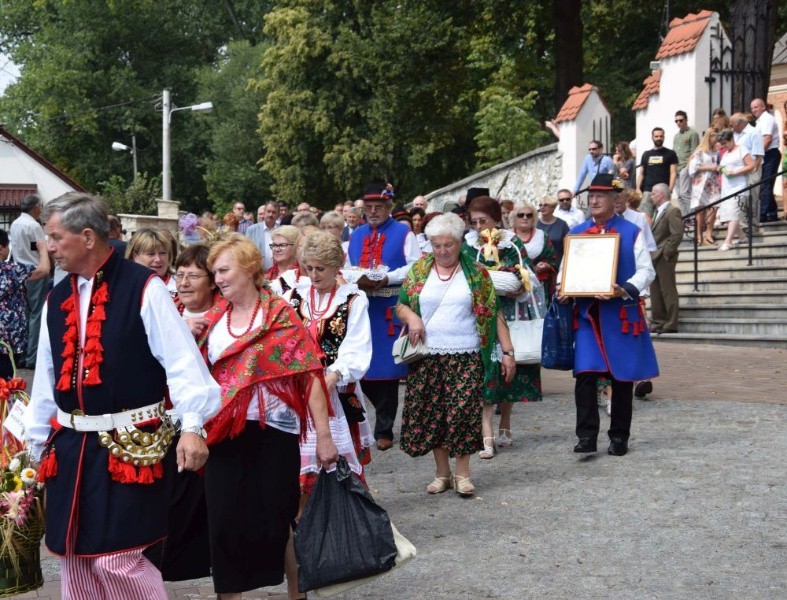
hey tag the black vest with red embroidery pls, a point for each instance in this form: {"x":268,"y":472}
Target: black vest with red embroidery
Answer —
{"x":332,"y":330}
{"x":87,"y":512}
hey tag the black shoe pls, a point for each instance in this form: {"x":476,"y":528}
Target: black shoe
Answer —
{"x":585,"y":446}
{"x":617,"y":447}
{"x":642,"y":389}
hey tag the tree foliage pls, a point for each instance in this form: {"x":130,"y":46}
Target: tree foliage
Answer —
{"x":137,"y":198}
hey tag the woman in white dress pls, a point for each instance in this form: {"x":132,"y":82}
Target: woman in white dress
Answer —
{"x":705,"y":186}
{"x":336,"y":317}
{"x":734,"y":166}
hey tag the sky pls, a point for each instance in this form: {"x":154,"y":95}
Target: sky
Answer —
{"x":8,"y":72}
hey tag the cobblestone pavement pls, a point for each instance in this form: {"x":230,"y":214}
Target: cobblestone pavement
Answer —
{"x":696,"y":509}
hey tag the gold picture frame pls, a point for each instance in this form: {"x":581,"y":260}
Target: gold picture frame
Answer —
{"x":590,"y":263}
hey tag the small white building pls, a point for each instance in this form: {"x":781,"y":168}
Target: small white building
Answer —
{"x":582,"y":118}
{"x":683,"y":79}
{"x":23,"y":171}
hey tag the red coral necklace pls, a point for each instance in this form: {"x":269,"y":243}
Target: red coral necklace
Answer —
{"x":318,"y":314}
{"x":251,"y":321}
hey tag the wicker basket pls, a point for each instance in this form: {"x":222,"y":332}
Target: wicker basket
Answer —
{"x":23,"y":574}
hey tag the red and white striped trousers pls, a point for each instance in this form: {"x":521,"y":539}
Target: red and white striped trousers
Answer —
{"x":120,"y":576}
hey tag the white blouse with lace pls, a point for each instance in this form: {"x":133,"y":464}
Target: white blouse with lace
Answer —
{"x":451,"y":329}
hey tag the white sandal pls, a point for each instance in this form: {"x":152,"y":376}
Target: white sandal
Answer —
{"x":488,"y":451}
{"x":504,"y":439}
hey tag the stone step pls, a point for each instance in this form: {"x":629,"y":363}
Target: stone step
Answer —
{"x":751,"y":341}
{"x":735,"y":326}
{"x":722,"y":312}
{"x":768,"y":233}
{"x":711,"y":253}
{"x":737,"y":258}
{"x":753,"y":273}
{"x":735,"y":297}
{"x":752,"y":285}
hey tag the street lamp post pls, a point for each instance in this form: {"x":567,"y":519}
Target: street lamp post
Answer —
{"x":118,"y":147}
{"x":166,"y":117}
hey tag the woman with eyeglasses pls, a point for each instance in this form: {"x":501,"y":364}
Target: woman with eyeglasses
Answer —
{"x":555,"y":229}
{"x":507,"y":254}
{"x":733,"y":166}
{"x":186,"y":553}
{"x":540,"y":251}
{"x":285,"y":273}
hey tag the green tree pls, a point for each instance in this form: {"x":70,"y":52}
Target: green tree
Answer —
{"x":137,"y":198}
{"x":231,"y":170}
{"x":92,"y":73}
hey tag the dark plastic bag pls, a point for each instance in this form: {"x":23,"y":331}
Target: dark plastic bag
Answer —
{"x":343,"y":534}
{"x":557,"y":342}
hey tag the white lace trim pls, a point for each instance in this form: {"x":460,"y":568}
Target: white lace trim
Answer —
{"x":454,"y":350}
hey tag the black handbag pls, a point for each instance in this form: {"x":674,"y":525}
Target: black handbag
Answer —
{"x":351,"y":404}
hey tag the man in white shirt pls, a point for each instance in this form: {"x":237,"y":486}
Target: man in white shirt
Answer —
{"x":261,"y":233}
{"x":28,"y":245}
{"x":113,"y":348}
{"x":566,"y":211}
{"x":769,"y":130}
{"x":632,"y":216}
{"x":750,"y":138}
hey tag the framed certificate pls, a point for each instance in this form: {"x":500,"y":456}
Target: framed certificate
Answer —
{"x":589,"y":265}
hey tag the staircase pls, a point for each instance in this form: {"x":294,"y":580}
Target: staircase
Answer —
{"x":736,"y":304}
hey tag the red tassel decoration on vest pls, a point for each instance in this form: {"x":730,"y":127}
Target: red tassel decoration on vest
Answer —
{"x":48,"y":467}
{"x":389,"y":314}
{"x":391,"y":330}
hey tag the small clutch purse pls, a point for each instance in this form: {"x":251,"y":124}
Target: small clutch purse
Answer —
{"x":404,"y":352}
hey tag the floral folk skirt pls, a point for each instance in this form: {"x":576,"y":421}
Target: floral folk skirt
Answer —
{"x":442,"y":405}
{"x":526,"y":386}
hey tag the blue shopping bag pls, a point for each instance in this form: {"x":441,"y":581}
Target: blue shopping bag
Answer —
{"x":557,"y":341}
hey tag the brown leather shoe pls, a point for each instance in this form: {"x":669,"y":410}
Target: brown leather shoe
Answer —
{"x":384,"y":444}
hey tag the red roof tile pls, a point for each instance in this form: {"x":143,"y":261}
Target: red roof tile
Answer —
{"x":650,"y":87}
{"x":11,"y":194}
{"x":684,"y":34}
{"x":573,"y":104}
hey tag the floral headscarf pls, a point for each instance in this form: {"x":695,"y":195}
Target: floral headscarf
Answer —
{"x":485,"y":308}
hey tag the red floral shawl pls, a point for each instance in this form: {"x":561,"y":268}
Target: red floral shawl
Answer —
{"x":279,"y":356}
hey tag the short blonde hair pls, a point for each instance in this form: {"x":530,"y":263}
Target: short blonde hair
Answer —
{"x":302,"y":219}
{"x":332,"y":218}
{"x":322,"y":247}
{"x":549,"y":201}
{"x":245,"y":253}
{"x":522,"y":205}
{"x":150,"y":239}
{"x":288,"y":232}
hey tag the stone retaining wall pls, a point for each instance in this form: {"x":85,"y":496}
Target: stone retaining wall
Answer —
{"x":526,"y":177}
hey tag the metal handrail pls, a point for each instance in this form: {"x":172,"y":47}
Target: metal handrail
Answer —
{"x":699,"y":209}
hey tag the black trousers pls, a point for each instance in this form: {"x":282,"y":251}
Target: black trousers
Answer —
{"x":384,"y":395}
{"x":585,"y":396}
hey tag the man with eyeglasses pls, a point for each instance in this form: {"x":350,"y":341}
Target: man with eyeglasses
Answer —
{"x":239,"y":210}
{"x":385,"y":248}
{"x":595,"y":163}
{"x":566,"y":211}
{"x":684,"y":143}
{"x":262,"y":233}
{"x":658,"y":165}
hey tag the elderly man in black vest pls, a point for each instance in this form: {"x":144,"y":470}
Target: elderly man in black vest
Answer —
{"x":112,"y":351}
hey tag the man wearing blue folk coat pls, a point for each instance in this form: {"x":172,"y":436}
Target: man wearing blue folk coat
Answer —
{"x":612,"y":337}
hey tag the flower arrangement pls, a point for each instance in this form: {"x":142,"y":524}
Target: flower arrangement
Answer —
{"x":21,"y":506}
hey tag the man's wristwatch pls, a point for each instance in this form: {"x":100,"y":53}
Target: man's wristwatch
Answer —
{"x":200,"y":431}
{"x":508,"y":353}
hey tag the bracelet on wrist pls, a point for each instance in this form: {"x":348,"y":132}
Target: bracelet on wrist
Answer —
{"x":200,"y":431}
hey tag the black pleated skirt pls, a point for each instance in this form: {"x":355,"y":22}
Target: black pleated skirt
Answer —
{"x":252,"y":492}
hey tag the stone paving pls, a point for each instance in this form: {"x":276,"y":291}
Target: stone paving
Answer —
{"x":697,"y":509}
